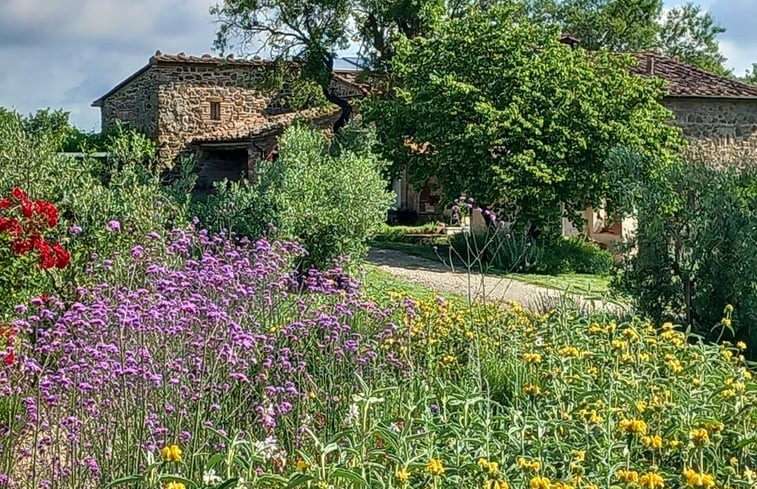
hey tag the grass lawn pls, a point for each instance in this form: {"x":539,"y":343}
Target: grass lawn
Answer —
{"x":577,"y":283}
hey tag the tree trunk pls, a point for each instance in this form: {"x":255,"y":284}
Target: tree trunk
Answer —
{"x":332,"y":97}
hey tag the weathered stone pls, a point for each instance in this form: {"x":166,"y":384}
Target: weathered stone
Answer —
{"x":170,"y":100}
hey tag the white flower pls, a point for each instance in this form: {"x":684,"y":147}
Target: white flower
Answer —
{"x":353,"y":416}
{"x":210,"y":478}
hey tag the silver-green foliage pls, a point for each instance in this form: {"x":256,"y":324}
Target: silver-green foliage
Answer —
{"x":331,"y":197}
{"x":89,"y":193}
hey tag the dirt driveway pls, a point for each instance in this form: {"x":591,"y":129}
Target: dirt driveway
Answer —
{"x":440,"y":277}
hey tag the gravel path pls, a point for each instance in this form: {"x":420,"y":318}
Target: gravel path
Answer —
{"x":441,"y":278}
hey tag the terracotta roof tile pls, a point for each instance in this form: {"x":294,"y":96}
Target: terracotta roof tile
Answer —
{"x":689,"y":81}
{"x":347,"y":78}
{"x":206,"y":59}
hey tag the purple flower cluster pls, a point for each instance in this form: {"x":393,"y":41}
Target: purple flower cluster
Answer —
{"x":199,"y":334}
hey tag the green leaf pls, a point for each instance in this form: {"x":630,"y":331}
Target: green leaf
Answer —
{"x":349,"y":475}
{"x":125,"y":480}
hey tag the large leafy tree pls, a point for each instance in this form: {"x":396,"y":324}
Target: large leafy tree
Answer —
{"x":685,"y":32}
{"x":494,"y":105}
{"x":690,"y":35}
{"x":616,"y":25}
{"x":314,"y":31}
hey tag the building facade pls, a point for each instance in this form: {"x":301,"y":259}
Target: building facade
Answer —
{"x":216,"y":109}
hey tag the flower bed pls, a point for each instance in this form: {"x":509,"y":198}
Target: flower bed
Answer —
{"x":203,"y":361}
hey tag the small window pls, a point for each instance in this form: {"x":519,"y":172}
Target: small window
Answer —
{"x":215,"y":111}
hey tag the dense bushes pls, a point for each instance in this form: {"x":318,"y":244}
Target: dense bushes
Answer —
{"x":510,"y":251}
{"x":328,"y":196}
{"x":101,"y":204}
{"x":574,"y":255}
{"x":695,"y":252}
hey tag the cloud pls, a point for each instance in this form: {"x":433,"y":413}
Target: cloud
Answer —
{"x":67,"y":54}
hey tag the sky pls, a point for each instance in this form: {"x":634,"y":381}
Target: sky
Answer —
{"x":67,"y":53}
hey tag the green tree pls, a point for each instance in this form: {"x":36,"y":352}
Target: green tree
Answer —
{"x":685,"y":32}
{"x":751,"y":75}
{"x":690,"y":35}
{"x":314,"y":31}
{"x":494,"y":105}
{"x":616,"y":25}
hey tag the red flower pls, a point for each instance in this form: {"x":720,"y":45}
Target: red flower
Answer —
{"x":47,"y":210}
{"x":5,"y":203}
{"x":9,"y":359}
{"x":19,"y":194}
{"x":26,"y":209}
{"x":22,"y":246}
{"x":63,"y":257}
{"x":10,"y":225}
{"x":47,"y":258}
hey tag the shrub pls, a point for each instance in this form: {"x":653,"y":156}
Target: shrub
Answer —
{"x":89,"y":193}
{"x":574,"y":255}
{"x":504,"y":248}
{"x":330,"y":198}
{"x":405,"y":234}
{"x":245,"y":207}
{"x":695,"y":251}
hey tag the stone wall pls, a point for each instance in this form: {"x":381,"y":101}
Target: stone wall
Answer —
{"x":185,"y":94}
{"x":719,"y":129}
{"x":135,"y":104}
{"x":171,"y":103}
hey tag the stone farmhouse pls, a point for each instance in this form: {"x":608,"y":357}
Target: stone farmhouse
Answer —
{"x":210,"y":108}
{"x":717,"y":116}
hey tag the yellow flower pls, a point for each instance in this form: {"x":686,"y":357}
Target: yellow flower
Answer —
{"x":175,"y":485}
{"x":171,"y":453}
{"x":633,"y":426}
{"x":591,"y":416}
{"x":699,"y":436}
{"x":402,"y":476}
{"x":526,"y":464}
{"x":539,"y":483}
{"x":628,"y":476}
{"x":667,"y":326}
{"x":569,"y":351}
{"x":734,"y":461}
{"x":651,"y":480}
{"x":531,"y":389}
{"x":302,"y":465}
{"x":698,"y":479}
{"x":675,"y":444}
{"x":726,"y":322}
{"x":715,"y":427}
{"x":495,"y":484}
{"x":654,"y":442}
{"x":531,"y":357}
{"x":435,"y":467}
{"x":630,"y":334}
{"x":595,"y":329}
{"x":618,"y":344}
{"x":741,"y":345}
